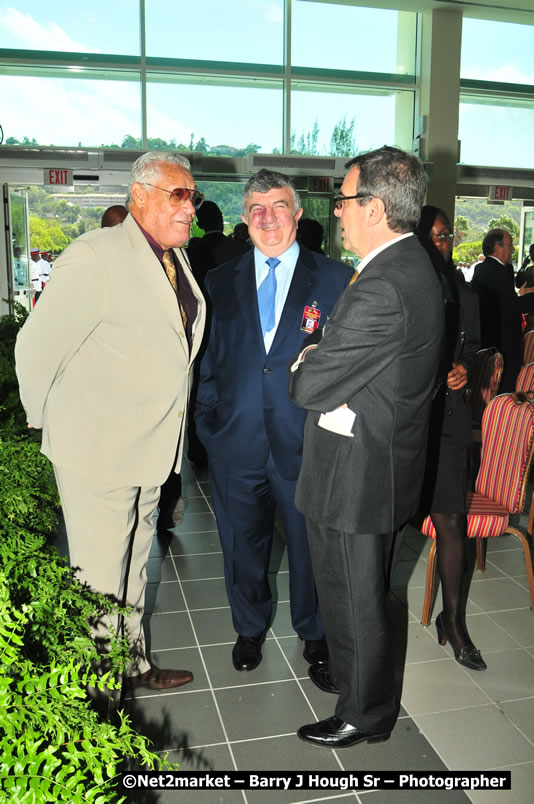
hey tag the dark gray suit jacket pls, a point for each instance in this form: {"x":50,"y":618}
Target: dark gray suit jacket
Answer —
{"x":379,"y":353}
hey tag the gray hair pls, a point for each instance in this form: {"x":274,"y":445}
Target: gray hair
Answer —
{"x":146,"y":169}
{"x":265,"y":180}
{"x":492,"y":239}
{"x":396,"y":177}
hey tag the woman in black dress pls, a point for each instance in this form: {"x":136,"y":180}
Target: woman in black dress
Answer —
{"x":450,"y":434}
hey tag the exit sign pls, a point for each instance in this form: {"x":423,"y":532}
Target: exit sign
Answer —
{"x":320,"y":184}
{"x":58,"y":177}
{"x":500,"y":192}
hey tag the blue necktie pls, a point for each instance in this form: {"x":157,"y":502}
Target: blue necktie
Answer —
{"x":267,"y":297}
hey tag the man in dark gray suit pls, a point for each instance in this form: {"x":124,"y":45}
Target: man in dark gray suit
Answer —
{"x":368,"y":386}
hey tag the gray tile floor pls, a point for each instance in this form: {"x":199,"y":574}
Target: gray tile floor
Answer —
{"x":451,"y":718}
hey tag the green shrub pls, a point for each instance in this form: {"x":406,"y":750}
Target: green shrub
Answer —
{"x":54,"y":747}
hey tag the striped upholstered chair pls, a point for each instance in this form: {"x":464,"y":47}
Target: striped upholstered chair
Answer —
{"x":528,"y":347}
{"x":501,"y":485}
{"x":525,"y":380}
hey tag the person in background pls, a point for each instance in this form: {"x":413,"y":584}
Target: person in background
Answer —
{"x":450,"y":435}
{"x":45,"y":266}
{"x":310,"y":233}
{"x":241,"y":233}
{"x":35,"y":274}
{"x":500,"y":314}
{"x":214,"y":248}
{"x":525,"y":275}
{"x":113,"y":216}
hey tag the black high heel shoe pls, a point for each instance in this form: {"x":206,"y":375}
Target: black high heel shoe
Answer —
{"x":469,"y":656}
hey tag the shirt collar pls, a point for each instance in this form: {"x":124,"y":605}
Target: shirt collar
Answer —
{"x":156,"y":248}
{"x":372,"y":254}
{"x":288,"y":259}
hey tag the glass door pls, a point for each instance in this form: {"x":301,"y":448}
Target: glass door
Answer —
{"x":18,"y":247}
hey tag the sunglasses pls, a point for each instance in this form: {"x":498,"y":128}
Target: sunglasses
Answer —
{"x":442,"y":236}
{"x":181,"y":194}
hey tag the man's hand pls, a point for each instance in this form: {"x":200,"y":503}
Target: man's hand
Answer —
{"x":457,"y":377}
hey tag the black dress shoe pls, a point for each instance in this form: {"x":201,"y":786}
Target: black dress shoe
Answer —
{"x":246,"y":653}
{"x":468,"y":656}
{"x":315,"y":651}
{"x":320,"y":675}
{"x":335,"y":733}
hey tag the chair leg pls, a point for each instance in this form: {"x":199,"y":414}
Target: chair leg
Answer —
{"x":531,"y":512}
{"x":481,"y":556}
{"x":429,"y":588}
{"x":528,"y":560}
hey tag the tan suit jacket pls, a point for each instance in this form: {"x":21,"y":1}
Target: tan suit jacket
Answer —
{"x":103,"y":362}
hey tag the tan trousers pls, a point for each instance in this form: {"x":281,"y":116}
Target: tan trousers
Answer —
{"x":110,"y":531}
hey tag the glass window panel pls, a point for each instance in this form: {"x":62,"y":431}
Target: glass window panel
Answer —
{"x":497,"y":51}
{"x":349,"y":38}
{"x":69,"y":111}
{"x":219,"y":120}
{"x":496,"y":132}
{"x":95,"y":27}
{"x":315,"y":116}
{"x":232,"y":30}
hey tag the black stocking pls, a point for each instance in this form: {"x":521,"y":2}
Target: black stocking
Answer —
{"x":451,"y":535}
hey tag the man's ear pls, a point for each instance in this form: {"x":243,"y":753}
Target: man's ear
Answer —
{"x":138,"y":194}
{"x":298,"y":214}
{"x":376,"y":211}
{"x":244,"y":219}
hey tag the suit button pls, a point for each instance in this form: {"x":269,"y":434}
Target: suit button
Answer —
{"x":180,"y":414}
{"x":266,"y":370}
{"x":181,"y":334}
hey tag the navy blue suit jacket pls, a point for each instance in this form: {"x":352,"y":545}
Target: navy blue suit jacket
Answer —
{"x":243,"y":405}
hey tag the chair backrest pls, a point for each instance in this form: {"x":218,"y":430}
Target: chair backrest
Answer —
{"x":525,"y":380}
{"x":529,"y":323}
{"x":485,"y":382}
{"x":528,"y":347}
{"x":507,"y":450}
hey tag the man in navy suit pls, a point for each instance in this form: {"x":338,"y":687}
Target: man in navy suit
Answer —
{"x":264,"y":304}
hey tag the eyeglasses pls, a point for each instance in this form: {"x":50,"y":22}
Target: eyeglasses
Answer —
{"x":443,"y":236}
{"x":181,"y":194}
{"x":338,"y":199}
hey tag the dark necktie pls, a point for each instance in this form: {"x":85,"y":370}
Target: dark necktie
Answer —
{"x":170,"y":270}
{"x":267,"y":297}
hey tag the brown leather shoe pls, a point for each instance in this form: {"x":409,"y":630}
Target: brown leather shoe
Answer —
{"x":156,"y":679}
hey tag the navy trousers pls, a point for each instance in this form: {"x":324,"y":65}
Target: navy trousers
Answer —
{"x":244,"y":503}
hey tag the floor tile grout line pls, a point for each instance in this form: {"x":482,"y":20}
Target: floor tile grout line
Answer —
{"x":479,"y":608}
{"x":212,"y":692}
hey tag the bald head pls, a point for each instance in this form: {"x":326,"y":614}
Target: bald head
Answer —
{"x":113,"y":215}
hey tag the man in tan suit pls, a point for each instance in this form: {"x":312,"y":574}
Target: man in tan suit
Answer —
{"x":104,"y":367}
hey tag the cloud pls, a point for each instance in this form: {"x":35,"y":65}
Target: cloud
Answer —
{"x":21,"y":30}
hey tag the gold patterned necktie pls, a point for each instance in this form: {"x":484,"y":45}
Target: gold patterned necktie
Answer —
{"x":170,"y":270}
{"x":354,"y":277}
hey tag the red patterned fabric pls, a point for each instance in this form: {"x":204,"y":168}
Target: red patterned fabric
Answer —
{"x":528,"y":347}
{"x":525,"y":380}
{"x":485,"y":519}
{"x":486,"y":381}
{"x":507,"y":445}
{"x":507,"y":450}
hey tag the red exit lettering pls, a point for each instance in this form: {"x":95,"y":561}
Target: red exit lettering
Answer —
{"x":58,"y":176}
{"x":502,"y":193}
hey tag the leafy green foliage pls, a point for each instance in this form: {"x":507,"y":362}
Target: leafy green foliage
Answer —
{"x":54,"y":747}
